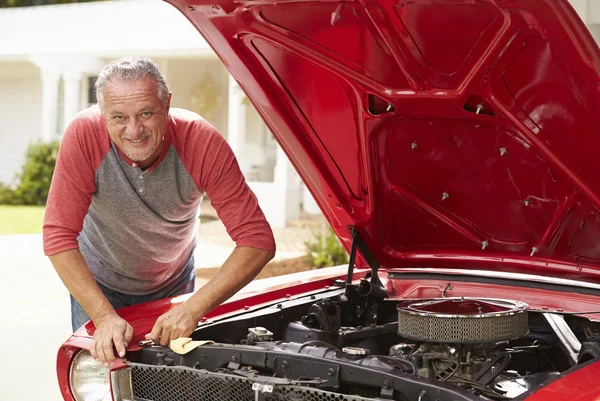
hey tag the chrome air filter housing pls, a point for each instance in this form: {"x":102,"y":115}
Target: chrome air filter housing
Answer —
{"x":462,"y":320}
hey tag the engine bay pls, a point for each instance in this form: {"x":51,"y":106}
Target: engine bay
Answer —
{"x":354,"y":343}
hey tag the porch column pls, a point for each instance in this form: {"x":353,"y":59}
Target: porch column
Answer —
{"x":582,"y":7}
{"x":309,"y":205}
{"x":72,"y":91}
{"x":50,"y":80}
{"x":236,"y":125}
{"x":286,"y":188}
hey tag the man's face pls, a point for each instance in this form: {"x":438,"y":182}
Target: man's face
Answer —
{"x":136,"y":118}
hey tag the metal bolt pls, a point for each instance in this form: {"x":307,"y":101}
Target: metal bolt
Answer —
{"x":284,"y":364}
{"x":484,"y":244}
{"x":413,"y":145}
{"x":445,"y":196}
{"x":385,"y":384}
{"x":502,"y":151}
{"x":533,"y":251}
{"x":337,"y":14}
{"x":330,"y":372}
{"x":526,"y":202}
{"x":479,"y":108}
{"x":233,"y":358}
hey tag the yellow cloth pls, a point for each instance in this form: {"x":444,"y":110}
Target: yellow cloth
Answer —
{"x":183,"y":345}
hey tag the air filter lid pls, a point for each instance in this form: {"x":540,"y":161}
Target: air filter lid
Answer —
{"x":462,"y":320}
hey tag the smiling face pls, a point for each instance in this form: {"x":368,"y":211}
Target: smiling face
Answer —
{"x":136,"y":118}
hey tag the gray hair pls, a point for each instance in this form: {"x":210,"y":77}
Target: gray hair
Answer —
{"x":131,"y":69}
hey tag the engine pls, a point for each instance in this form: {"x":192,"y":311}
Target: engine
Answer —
{"x":432,"y":349}
{"x":462,"y":341}
{"x":458,"y":340}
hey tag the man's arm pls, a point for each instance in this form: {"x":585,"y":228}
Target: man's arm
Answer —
{"x":214,"y":168}
{"x":239,"y":269}
{"x":82,"y":149}
{"x":110,"y":328}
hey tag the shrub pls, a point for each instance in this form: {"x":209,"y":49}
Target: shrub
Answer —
{"x":326,"y":250}
{"x":33,"y":183}
{"x":7,"y":195}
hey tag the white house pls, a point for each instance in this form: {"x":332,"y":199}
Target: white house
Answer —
{"x":50,"y":55}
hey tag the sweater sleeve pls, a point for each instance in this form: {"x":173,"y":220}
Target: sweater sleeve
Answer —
{"x":216,"y":171}
{"x":81,"y":151}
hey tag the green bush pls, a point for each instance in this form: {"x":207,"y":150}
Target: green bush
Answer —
{"x":326,"y":250}
{"x":7,"y":195}
{"x":33,"y":182}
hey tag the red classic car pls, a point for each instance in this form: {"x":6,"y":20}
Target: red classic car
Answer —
{"x":453,"y":146}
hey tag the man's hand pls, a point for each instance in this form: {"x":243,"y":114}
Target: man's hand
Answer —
{"x":112,"y":332}
{"x":178,"y":322}
{"x":239,"y":269}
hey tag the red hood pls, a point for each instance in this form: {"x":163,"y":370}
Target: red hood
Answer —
{"x":460,"y":133}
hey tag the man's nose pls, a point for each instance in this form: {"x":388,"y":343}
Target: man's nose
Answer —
{"x":133,"y":129}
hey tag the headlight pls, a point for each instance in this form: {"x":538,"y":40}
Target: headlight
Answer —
{"x":89,"y":379}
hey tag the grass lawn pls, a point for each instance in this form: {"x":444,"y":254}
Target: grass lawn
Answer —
{"x":21,"y":219}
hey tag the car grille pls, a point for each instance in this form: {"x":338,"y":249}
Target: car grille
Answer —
{"x":164,"y":383}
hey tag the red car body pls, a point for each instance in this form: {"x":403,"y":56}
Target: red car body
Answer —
{"x":576,"y":386}
{"x":457,"y":137}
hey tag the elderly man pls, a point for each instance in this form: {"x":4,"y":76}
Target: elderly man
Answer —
{"x":123,"y":208}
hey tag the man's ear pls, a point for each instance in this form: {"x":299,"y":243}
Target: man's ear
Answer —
{"x":168,"y":102}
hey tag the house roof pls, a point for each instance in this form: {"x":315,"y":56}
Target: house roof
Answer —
{"x":105,"y":29}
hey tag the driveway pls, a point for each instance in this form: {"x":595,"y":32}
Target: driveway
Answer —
{"x":34,"y":320}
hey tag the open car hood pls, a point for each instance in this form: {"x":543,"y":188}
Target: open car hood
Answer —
{"x":448,"y":133}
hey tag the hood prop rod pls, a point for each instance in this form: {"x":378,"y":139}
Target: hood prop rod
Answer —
{"x":353,"y":234}
{"x":362,"y":299}
{"x":366,"y":289}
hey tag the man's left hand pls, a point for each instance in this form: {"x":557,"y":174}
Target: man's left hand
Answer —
{"x":239,"y":269}
{"x":178,"y":322}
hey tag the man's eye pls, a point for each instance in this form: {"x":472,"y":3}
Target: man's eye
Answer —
{"x":147,"y":113}
{"x":118,"y":118}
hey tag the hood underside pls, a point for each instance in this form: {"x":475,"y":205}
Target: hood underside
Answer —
{"x":448,"y":132}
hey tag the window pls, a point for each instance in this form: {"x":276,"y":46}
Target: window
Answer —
{"x":91,"y":95}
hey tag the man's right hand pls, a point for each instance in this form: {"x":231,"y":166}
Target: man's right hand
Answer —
{"x":112,"y":332}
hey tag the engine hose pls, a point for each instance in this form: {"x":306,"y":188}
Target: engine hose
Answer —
{"x":399,"y":363}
